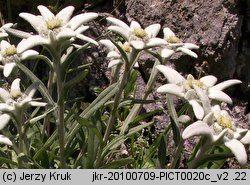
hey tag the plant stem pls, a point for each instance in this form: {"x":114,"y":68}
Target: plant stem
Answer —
{"x":21,"y":140}
{"x":200,"y":155}
{"x":177,"y":154}
{"x":116,"y":104}
{"x":137,"y":107}
{"x":60,"y":108}
{"x":173,"y":114}
{"x":46,"y":125}
{"x":111,"y":121}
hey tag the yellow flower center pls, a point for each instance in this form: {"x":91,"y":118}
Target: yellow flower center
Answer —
{"x":126,"y":47}
{"x":15,"y":93}
{"x":174,"y":40}
{"x":189,"y":84}
{"x":141,"y":33}
{"x":10,"y":51}
{"x":53,"y":24}
{"x":225,"y":122}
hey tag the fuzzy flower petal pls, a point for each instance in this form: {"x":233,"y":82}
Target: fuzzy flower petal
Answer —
{"x":114,"y":63}
{"x":156,"y":42}
{"x":5,"y":118}
{"x":166,"y":53}
{"x":223,"y":85}
{"x":137,"y":44}
{"x":15,"y":90}
{"x":108,"y":44}
{"x":219,"y":95}
{"x":172,"y":75}
{"x":4,"y":45}
{"x":37,"y":104}
{"x":66,"y":33}
{"x":187,"y":51}
{"x":6,"y":108}
{"x":45,"y":12}
{"x":168,"y":33}
{"x":4,"y":95}
{"x":171,"y":89}
{"x":31,"y":42}
{"x":209,"y":80}
{"x":65,"y":14}
{"x":88,"y":39}
{"x":118,"y":23}
{"x":8,"y":68}
{"x":28,"y":54}
{"x":36,"y":22}
{"x":238,"y":149}
{"x":246,"y":139}
{"x":80,"y":19}
{"x":120,"y":30}
{"x":135,"y":25}
{"x":153,"y":30}
{"x":197,"y":128}
{"x":190,"y":46}
{"x":5,"y":140}
{"x":197,"y":108}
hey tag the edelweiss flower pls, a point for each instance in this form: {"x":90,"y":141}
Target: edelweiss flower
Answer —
{"x":195,"y":91}
{"x":114,"y":55}
{"x":176,"y":44}
{"x":14,"y":102}
{"x":219,"y":127}
{"x":138,"y":37}
{"x":3,"y":33}
{"x":58,"y":27}
{"x":9,"y":54}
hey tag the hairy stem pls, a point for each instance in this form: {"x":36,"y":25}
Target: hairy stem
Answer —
{"x":60,"y":108}
{"x":137,"y":107}
{"x":118,"y":96}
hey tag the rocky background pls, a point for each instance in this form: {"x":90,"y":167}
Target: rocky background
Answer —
{"x":220,"y":27}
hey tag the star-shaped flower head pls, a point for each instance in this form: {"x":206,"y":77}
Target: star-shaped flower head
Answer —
{"x":219,"y":127}
{"x":196,"y":91}
{"x":3,"y":33}
{"x":13,"y":102}
{"x":60,"y":27}
{"x":138,"y":37}
{"x":9,"y":54}
{"x":114,"y":54}
{"x":175,"y":44}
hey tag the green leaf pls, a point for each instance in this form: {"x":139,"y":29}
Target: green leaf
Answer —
{"x":108,"y":93}
{"x":117,"y":141}
{"x":162,"y":153}
{"x":42,"y":88}
{"x":34,"y":120}
{"x":176,"y":132}
{"x":137,"y":119}
{"x":84,"y":122}
{"x":153,"y":147}
{"x":131,"y":83}
{"x":72,"y":83}
{"x":8,"y":161}
{"x":118,"y":163}
{"x":46,"y":145}
{"x":45,"y":59}
{"x":123,"y":53}
{"x":70,"y":56}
